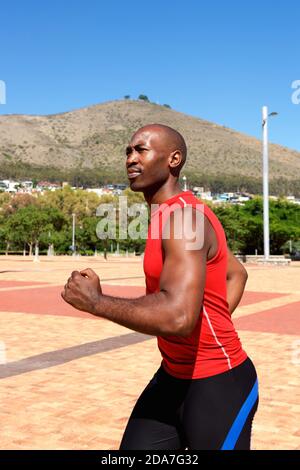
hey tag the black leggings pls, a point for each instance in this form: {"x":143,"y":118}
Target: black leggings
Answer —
{"x":211,"y":413}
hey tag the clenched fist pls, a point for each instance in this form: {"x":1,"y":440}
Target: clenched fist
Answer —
{"x":83,"y":290}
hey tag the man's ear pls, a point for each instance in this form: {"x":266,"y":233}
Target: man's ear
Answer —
{"x":175,"y":159}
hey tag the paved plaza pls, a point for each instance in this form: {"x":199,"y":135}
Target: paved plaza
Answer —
{"x":69,"y":380}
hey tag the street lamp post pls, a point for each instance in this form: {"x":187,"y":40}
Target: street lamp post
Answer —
{"x":184,"y":183}
{"x":265,"y":116}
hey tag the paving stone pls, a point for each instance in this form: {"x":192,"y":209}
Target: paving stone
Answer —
{"x":85,"y":403}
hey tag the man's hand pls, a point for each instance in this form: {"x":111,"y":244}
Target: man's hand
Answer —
{"x":83,"y":290}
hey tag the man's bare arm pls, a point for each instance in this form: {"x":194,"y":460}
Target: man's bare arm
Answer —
{"x":236,"y":281}
{"x":172,"y":311}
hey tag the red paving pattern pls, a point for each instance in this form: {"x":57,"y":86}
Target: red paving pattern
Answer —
{"x":48,"y":300}
{"x":253,"y":297}
{"x":283,"y":320}
{"x":50,"y":399}
{"x":5,"y":284}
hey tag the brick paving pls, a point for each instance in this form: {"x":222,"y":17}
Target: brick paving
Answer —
{"x":71,"y":379}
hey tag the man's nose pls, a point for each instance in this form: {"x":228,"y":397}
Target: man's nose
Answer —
{"x":133,"y":157}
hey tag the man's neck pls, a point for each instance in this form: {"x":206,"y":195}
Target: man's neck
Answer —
{"x":162,"y":194}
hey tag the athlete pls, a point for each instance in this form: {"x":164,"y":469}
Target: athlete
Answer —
{"x":205,"y":393}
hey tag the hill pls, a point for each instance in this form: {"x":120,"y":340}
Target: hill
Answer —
{"x":91,"y":141}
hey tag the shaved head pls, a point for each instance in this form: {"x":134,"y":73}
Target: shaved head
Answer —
{"x":170,"y":139}
{"x":154,"y":157}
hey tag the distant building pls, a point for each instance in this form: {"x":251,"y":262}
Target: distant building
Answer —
{"x":118,"y":188}
{"x":232,"y":198}
{"x":244,"y":197}
{"x":26,"y":186}
{"x":199,"y":192}
{"x":197,"y":189}
{"x":12,"y":186}
{"x":47,"y":186}
{"x":3,"y":186}
{"x":98,"y":191}
{"x":224,"y":197}
{"x":115,"y":189}
{"x":293,"y":199}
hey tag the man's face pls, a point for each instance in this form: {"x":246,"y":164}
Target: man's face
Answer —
{"x":147,"y":162}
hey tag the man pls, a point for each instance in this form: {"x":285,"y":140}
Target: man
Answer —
{"x":204,"y":395}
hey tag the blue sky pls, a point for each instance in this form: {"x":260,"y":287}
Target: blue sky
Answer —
{"x":218,"y":60}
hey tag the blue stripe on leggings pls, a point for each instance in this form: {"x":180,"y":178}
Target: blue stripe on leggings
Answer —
{"x":241,"y":419}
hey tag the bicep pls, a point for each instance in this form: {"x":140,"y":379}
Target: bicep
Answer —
{"x":183,"y":274}
{"x":184,"y":270}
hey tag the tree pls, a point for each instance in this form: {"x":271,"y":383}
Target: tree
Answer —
{"x":127,"y":97}
{"x":16,"y":201}
{"x":70,"y":201}
{"x":6,"y":235}
{"x":29,"y":224}
{"x":244,"y":225}
{"x":86,"y":236}
{"x":144,"y":98}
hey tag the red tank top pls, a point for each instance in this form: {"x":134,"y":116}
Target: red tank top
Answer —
{"x":214,"y":346}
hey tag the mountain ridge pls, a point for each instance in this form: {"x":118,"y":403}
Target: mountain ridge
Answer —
{"x":96,"y":136}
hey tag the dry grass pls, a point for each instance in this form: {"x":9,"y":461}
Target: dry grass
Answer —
{"x":96,"y":137}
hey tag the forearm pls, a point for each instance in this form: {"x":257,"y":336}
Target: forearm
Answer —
{"x":235,"y":290}
{"x":152,"y":314}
